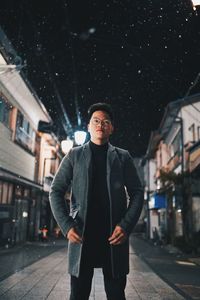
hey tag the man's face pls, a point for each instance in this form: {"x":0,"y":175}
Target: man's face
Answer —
{"x":100,"y":127}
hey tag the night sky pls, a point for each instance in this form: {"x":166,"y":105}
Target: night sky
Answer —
{"x":136,"y":55}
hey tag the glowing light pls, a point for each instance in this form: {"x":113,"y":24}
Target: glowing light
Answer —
{"x":80,"y":137}
{"x":24,"y":214}
{"x":186,"y":263}
{"x":66,"y":145}
{"x":195,"y":3}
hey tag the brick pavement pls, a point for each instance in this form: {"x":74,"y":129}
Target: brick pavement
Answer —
{"x":48,"y":279}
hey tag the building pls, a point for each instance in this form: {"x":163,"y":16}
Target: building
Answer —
{"x":28,"y":158}
{"x":173,"y":161}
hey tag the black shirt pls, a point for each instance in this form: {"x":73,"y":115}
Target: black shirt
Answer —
{"x":98,"y":217}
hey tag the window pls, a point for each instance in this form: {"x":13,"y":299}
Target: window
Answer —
{"x":198,"y":133}
{"x":1,"y":190}
{"x":5,"y":111}
{"x":6,"y":192}
{"x":10,"y":193}
{"x":176,"y":145}
{"x":196,"y":213}
{"x":18,"y":191}
{"x":25,"y":135}
{"x":27,"y":192}
{"x":53,"y":166}
{"x":192,"y":130}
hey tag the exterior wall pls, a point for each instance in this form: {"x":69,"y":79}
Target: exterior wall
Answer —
{"x":153,"y":224}
{"x":173,"y":153}
{"x":178,"y":224}
{"x":177,"y":152}
{"x":191,"y":116}
{"x":152,"y":168}
{"x":17,"y":91}
{"x":172,"y":133}
{"x":50,"y":157}
{"x":14,"y":158}
{"x":24,"y":205}
{"x":149,"y":172}
{"x":196,"y":213}
{"x":165,"y":154}
{"x":162,"y":155}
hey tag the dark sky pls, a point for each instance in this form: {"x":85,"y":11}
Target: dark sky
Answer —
{"x":136,"y":55}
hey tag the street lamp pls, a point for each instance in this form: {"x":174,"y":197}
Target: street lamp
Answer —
{"x":195,"y":3}
{"x":80,"y":137}
{"x":66,"y":145}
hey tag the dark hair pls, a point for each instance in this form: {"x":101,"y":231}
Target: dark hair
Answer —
{"x":103,"y":107}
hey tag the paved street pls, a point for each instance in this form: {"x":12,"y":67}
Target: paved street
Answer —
{"x":179,"y":270}
{"x":47,"y":279}
{"x":14,"y":259}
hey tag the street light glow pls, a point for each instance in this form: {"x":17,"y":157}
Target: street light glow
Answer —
{"x":25,"y":214}
{"x":66,"y":145}
{"x":80,"y":137}
{"x":195,"y":3}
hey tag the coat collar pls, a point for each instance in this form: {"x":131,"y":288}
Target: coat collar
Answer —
{"x":111,"y":154}
{"x":87,"y":153}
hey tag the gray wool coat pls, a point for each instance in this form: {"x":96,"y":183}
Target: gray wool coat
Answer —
{"x":122,"y":181}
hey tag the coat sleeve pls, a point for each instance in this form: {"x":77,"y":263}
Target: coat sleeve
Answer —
{"x":59,"y":186}
{"x":136,"y":195}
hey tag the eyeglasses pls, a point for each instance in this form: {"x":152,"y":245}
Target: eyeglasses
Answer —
{"x":96,"y":122}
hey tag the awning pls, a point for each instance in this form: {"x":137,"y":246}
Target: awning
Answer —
{"x":12,"y":177}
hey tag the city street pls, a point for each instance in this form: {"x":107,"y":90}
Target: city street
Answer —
{"x":39,"y":272}
{"x":179,"y":270}
{"x":14,"y":259}
{"x":100,"y":138}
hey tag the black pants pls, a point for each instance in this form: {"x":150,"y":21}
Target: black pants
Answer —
{"x":81,"y":286}
{"x":91,"y":256}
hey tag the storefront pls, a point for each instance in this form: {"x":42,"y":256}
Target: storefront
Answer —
{"x":157,"y":216}
{"x":20,"y":207}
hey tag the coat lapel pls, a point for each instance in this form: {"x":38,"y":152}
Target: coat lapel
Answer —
{"x":111,"y":155}
{"x":87,"y":154}
{"x":88,"y":159}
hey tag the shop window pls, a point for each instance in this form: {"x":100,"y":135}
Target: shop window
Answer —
{"x":26,"y":193}
{"x":1,"y":191}
{"x":196,"y":213}
{"x":6,"y":192}
{"x":5,"y":112}
{"x":10,"y":193}
{"x":18,"y":191}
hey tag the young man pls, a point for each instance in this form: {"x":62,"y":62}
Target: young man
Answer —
{"x":101,"y":217}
